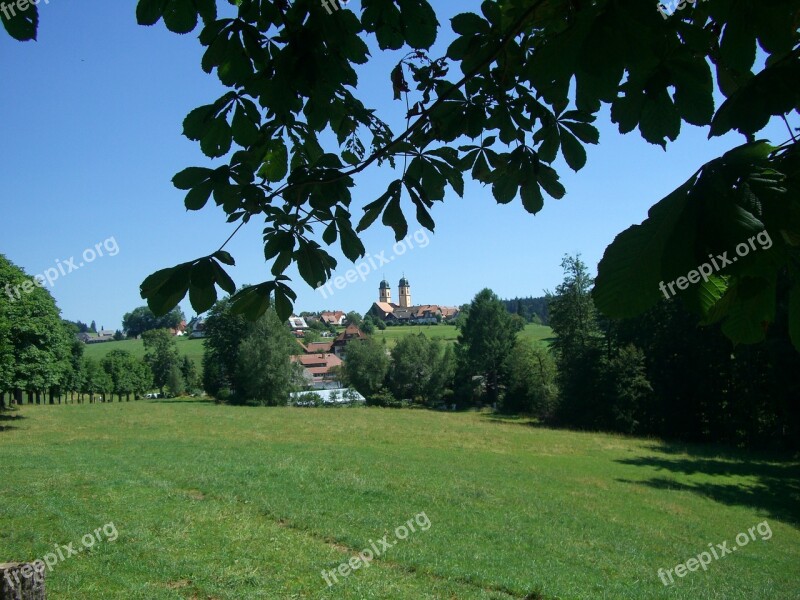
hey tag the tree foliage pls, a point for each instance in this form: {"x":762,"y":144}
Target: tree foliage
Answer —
{"x":142,"y":319}
{"x":422,"y":369}
{"x":519,"y":87}
{"x":224,"y":333}
{"x":128,"y":374}
{"x":366,"y":367}
{"x":161,"y":355}
{"x":265,"y":376}
{"x":35,"y":344}
{"x":486,"y":340}
{"x":531,"y":386}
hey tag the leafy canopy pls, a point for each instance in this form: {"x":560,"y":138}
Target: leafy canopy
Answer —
{"x":520,"y":85}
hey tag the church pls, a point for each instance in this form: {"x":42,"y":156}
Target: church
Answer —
{"x":405,"y":311}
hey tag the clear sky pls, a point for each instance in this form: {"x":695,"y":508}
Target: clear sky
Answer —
{"x":90,"y":137}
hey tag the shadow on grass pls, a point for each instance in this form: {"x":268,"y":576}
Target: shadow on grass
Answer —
{"x":774,"y":487}
{"x":183,"y":401}
{"x":4,"y":416}
{"x":512,"y":418}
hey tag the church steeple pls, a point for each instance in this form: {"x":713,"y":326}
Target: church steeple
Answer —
{"x":404,"y":293}
{"x":384,"y":292}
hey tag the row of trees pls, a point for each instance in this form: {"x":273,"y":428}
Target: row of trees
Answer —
{"x":41,"y":358}
{"x":667,"y":374}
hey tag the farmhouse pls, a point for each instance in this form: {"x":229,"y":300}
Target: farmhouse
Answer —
{"x":318,"y":369}
{"x":336,"y":318}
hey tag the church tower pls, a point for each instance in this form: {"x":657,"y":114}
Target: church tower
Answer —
{"x":385,"y":292}
{"x":404,"y":293}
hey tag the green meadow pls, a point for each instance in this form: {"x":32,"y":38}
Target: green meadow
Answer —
{"x":218,"y":502}
{"x":191,"y":348}
{"x":194,"y":348}
{"x":448,"y":333}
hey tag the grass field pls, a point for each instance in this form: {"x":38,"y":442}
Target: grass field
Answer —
{"x":194,"y":348}
{"x":448,"y":333}
{"x":191,"y":348}
{"x":219,"y":502}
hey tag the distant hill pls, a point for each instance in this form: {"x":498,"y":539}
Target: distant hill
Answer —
{"x":191,"y":348}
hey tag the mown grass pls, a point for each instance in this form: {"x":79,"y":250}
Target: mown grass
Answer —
{"x":222,"y":502}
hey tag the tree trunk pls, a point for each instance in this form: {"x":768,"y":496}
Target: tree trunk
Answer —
{"x":20,"y":581}
{"x":18,"y":396}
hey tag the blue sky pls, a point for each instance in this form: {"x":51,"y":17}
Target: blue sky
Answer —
{"x":90,"y":137}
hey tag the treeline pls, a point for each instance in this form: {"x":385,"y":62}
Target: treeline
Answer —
{"x":533,"y":310}
{"x":665,"y":374}
{"x":42,"y":361}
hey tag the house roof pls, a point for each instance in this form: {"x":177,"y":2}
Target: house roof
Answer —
{"x":317,"y":364}
{"x":332,"y":317}
{"x":317,"y":347}
{"x":298,"y":322}
{"x":386,"y":307}
{"x":351,"y":333}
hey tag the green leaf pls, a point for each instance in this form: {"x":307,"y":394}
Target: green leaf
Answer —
{"x":374,"y":209}
{"x":330,"y":234}
{"x":23,"y":24}
{"x":275,"y":164}
{"x":418,"y":22}
{"x":630,"y":272}
{"x":313,"y":263}
{"x":423,"y":216}
{"x":191,"y":177}
{"x":573,"y":150}
{"x":469,"y":24}
{"x":207,"y":10}
{"x":532,"y":199}
{"x":738,"y":45}
{"x":224,"y":257}
{"x":659,"y":119}
{"x":393,"y":217}
{"x":504,"y":189}
{"x":217,"y":138}
{"x":202,"y":293}
{"x":352,"y":246}
{"x":164,"y":289}
{"x":223,"y":279}
{"x":752,"y":312}
{"x":148,"y":12}
{"x":198,"y":196}
{"x":245,"y":131}
{"x":283,"y":305}
{"x":252,"y":301}
{"x":180,"y":16}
